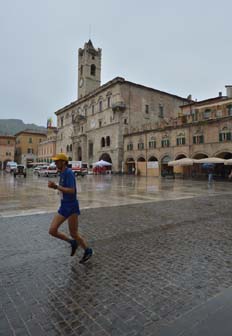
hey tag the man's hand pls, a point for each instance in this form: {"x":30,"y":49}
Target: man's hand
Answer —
{"x":52,"y":185}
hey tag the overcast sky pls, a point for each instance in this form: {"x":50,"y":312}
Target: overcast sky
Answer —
{"x":182,"y":47}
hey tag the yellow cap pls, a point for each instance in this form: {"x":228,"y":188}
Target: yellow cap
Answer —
{"x":60,"y":156}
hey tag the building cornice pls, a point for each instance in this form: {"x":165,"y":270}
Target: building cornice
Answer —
{"x":116,"y":80}
{"x":7,"y":137}
{"x":91,"y":94}
{"x":209,"y":102}
{"x":30,"y":132}
{"x":157,"y":91}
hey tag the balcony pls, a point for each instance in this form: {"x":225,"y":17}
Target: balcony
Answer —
{"x":118,"y":106}
{"x":79,"y":118}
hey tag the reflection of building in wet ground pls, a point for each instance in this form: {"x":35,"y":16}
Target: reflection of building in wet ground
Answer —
{"x":31,"y":195}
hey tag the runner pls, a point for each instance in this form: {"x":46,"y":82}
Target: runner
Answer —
{"x":69,"y":208}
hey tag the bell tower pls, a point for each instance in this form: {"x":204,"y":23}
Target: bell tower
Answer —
{"x":89,"y":69}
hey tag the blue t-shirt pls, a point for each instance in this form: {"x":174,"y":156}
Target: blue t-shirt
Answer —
{"x":67,"y":180}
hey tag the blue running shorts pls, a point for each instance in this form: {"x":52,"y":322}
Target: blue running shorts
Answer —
{"x":69,"y":208}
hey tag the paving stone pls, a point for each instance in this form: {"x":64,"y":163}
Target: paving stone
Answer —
{"x":153,"y":263}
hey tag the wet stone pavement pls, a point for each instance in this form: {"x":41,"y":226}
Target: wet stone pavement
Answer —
{"x":20,"y":196}
{"x":153,"y":263}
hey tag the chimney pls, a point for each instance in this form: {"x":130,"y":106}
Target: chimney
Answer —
{"x":220,"y":94}
{"x":229,"y":91}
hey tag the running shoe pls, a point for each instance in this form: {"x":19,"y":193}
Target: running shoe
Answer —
{"x":88,"y":254}
{"x":74,"y":247}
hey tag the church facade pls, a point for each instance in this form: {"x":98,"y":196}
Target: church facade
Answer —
{"x":95,"y":126}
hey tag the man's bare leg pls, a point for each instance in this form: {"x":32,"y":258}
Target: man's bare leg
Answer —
{"x":53,"y":230}
{"x":73,"y":229}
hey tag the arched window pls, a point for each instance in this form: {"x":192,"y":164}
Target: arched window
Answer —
{"x":180,"y":139}
{"x":70,"y":148}
{"x":109,"y":101}
{"x":198,"y":138}
{"x":152,"y":159}
{"x":152,"y":143}
{"x":225,"y":135}
{"x":130,"y":146}
{"x":102,"y":142}
{"x":67,"y":148}
{"x":107,"y":141}
{"x":100,"y":106}
{"x":93,"y":70}
{"x":165,"y":142}
{"x":140,"y":145}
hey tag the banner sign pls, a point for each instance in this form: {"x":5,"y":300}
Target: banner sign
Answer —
{"x":153,"y":164}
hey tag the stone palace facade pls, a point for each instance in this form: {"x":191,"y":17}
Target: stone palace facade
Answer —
{"x":95,"y":126}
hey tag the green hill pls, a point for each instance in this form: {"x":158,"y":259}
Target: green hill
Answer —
{"x":13,"y":126}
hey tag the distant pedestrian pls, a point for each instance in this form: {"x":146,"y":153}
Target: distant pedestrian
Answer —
{"x":210,"y":174}
{"x":210,"y":177}
{"x":69,"y":208}
{"x":230,"y":175}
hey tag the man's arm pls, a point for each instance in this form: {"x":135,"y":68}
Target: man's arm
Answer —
{"x":55,"y":186}
{"x":65,"y":189}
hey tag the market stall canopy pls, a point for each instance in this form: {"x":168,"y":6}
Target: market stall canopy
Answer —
{"x":102,"y":163}
{"x":210,"y":160}
{"x":228,"y":162}
{"x":182,"y":162}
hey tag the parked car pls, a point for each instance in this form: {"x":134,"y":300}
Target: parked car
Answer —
{"x":20,"y":170}
{"x":52,"y":170}
{"x":11,"y":166}
{"x":48,"y":171}
{"x":39,"y":169}
{"x":36,"y":169}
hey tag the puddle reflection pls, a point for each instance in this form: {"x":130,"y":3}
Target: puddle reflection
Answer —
{"x":30,"y":195}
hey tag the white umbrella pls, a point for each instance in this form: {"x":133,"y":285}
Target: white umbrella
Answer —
{"x":182,"y":162}
{"x":210,"y":160}
{"x":228,"y":162}
{"x":102,"y":163}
